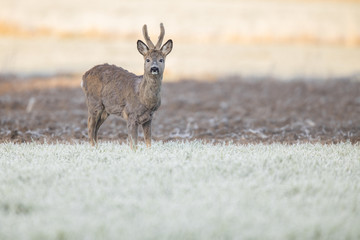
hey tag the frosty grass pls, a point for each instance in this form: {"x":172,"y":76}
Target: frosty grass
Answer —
{"x":179,"y":190}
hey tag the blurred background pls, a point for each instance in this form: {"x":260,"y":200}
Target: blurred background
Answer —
{"x":280,"y":39}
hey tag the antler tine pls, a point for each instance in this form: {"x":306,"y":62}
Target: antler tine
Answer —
{"x":147,"y":38}
{"x":161,"y":36}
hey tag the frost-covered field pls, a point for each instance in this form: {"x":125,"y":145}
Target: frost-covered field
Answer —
{"x":179,"y":191}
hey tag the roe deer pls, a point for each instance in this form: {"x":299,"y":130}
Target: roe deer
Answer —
{"x":113,"y":90}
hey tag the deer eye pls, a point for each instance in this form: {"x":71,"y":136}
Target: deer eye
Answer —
{"x":147,"y":60}
{"x":161,"y":60}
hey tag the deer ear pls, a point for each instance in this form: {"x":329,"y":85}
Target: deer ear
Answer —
{"x":167,"y":47}
{"x":141,"y":46}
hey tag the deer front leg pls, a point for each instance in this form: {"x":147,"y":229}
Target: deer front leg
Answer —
{"x":133,"y":134}
{"x":147,"y":133}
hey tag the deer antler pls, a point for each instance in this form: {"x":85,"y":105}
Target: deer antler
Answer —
{"x":161,"y":37}
{"x":147,"y":38}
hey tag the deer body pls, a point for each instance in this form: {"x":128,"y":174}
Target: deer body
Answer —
{"x":113,"y":90}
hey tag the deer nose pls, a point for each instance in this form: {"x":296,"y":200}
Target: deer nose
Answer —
{"x":154,"y":70}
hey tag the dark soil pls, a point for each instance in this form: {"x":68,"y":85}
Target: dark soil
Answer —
{"x":233,"y":110}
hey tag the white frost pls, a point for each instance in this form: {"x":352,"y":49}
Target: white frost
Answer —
{"x":179,"y":190}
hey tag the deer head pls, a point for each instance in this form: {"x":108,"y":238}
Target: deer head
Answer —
{"x":154,"y":55}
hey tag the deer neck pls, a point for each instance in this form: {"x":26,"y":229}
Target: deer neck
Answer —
{"x":149,"y":90}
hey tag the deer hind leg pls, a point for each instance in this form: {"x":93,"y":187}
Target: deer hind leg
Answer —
{"x":91,"y":128}
{"x":147,"y":133}
{"x":103,"y":116}
{"x":94,"y":117}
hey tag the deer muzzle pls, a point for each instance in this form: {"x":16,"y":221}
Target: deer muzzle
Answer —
{"x":154,"y":70}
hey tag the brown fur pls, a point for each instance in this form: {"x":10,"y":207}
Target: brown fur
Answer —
{"x":113,"y":90}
